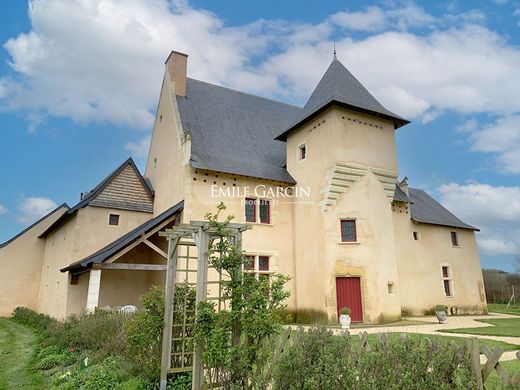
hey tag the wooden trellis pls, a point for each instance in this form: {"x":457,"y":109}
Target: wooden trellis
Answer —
{"x":199,"y":235}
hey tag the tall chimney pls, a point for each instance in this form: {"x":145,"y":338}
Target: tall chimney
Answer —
{"x":176,"y":65}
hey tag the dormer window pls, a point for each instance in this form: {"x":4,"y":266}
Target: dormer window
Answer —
{"x":302,"y":152}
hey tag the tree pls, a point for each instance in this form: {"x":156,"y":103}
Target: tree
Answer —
{"x":516,"y":263}
{"x":229,"y":340}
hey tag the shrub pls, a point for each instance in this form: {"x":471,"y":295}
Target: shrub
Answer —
{"x":443,"y":308}
{"x":320,"y":360}
{"x":144,"y":329}
{"x":37,"y":321}
{"x":345,"y":311}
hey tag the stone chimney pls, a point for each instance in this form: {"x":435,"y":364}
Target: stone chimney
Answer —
{"x":403,"y":185}
{"x":176,"y":66}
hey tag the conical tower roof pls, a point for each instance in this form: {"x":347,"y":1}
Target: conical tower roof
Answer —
{"x":339,"y":86}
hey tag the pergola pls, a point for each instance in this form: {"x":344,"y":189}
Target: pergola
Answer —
{"x":199,"y":234}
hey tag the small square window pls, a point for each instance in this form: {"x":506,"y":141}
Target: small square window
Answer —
{"x":416,"y":236}
{"x":302,"y":152}
{"x":265,"y":212}
{"x":454,"y":239}
{"x":250,"y":210}
{"x":113,"y":219}
{"x":348,"y":230}
{"x":263,"y":263}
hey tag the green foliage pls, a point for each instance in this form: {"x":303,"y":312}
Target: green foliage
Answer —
{"x":320,"y":360}
{"x":52,"y":356}
{"x":229,"y":340}
{"x":443,"y":308}
{"x":307,"y":317}
{"x":37,"y":321}
{"x":345,"y":311}
{"x":144,"y":329}
{"x":108,"y":374}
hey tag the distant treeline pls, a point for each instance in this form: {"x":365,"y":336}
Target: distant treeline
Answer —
{"x":499,"y":286}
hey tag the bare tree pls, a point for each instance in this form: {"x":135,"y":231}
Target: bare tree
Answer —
{"x":516,"y":263}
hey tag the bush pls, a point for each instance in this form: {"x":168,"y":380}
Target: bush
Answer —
{"x":144,"y":329}
{"x":320,"y":360}
{"x":37,"y":321}
{"x":443,"y":308}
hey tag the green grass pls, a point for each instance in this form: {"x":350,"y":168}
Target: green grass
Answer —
{"x":502,"y":308}
{"x":509,"y":327}
{"x":17,"y":348}
{"x":493,"y":381}
{"x":490,"y":343}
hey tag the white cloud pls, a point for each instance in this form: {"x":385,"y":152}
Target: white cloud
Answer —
{"x":102,"y":60}
{"x":495,"y":210}
{"x":503,"y":139}
{"x":140,"y":148}
{"x":3,"y":209}
{"x":32,"y":208}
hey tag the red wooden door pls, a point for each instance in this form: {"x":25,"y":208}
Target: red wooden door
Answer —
{"x":348,"y":293}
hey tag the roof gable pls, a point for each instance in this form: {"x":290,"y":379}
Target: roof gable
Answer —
{"x":126,"y":190}
{"x":127,"y":182}
{"x":339,"y":86}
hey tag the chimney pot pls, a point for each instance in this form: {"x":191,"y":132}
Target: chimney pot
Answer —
{"x":176,"y":66}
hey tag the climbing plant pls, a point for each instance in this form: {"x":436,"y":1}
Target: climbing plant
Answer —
{"x":229,"y":339}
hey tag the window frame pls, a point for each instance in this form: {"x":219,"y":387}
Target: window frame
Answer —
{"x":254,"y":209}
{"x":454,"y":236}
{"x":447,"y":280}
{"x":301,"y":152}
{"x":258,"y":203}
{"x":118,"y":219}
{"x":256,"y":270}
{"x":354,"y":221}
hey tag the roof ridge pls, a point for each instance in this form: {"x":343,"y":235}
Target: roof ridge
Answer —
{"x":245,"y":93}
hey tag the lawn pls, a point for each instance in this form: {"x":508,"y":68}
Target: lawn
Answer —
{"x":17,"y":346}
{"x":490,"y":343}
{"x":502,"y":327}
{"x":502,"y":308}
{"x":493,"y":381}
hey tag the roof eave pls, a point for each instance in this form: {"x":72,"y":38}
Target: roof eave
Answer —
{"x":467,"y":227}
{"x":398,"y":122}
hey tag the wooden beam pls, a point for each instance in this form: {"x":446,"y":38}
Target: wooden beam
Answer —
{"x":156,"y":248}
{"x":140,"y":240}
{"x":171,"y":274}
{"x":134,"y":267}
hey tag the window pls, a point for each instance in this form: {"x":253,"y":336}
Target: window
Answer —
{"x":348,"y":230}
{"x":447,"y":281}
{"x":113,"y":219}
{"x":416,"y":236}
{"x":259,"y":265}
{"x":264,"y":211}
{"x":260,"y":207}
{"x":454,"y":239}
{"x":391,"y":289}
{"x":250,"y":210}
{"x":302,"y":152}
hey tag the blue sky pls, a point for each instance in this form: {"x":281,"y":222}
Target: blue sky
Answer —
{"x":79,"y":83}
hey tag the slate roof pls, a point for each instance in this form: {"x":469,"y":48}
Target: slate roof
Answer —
{"x":91,"y":195}
{"x":122,"y":242}
{"x":33,"y":225}
{"x":425,"y":209}
{"x":400,"y":195}
{"x":233,"y":132}
{"x":339,"y":86}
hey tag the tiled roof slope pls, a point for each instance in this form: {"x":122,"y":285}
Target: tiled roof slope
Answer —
{"x":119,"y":244}
{"x":340,"y":86}
{"x":233,"y":132}
{"x":119,"y":190}
{"x":425,"y":209}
